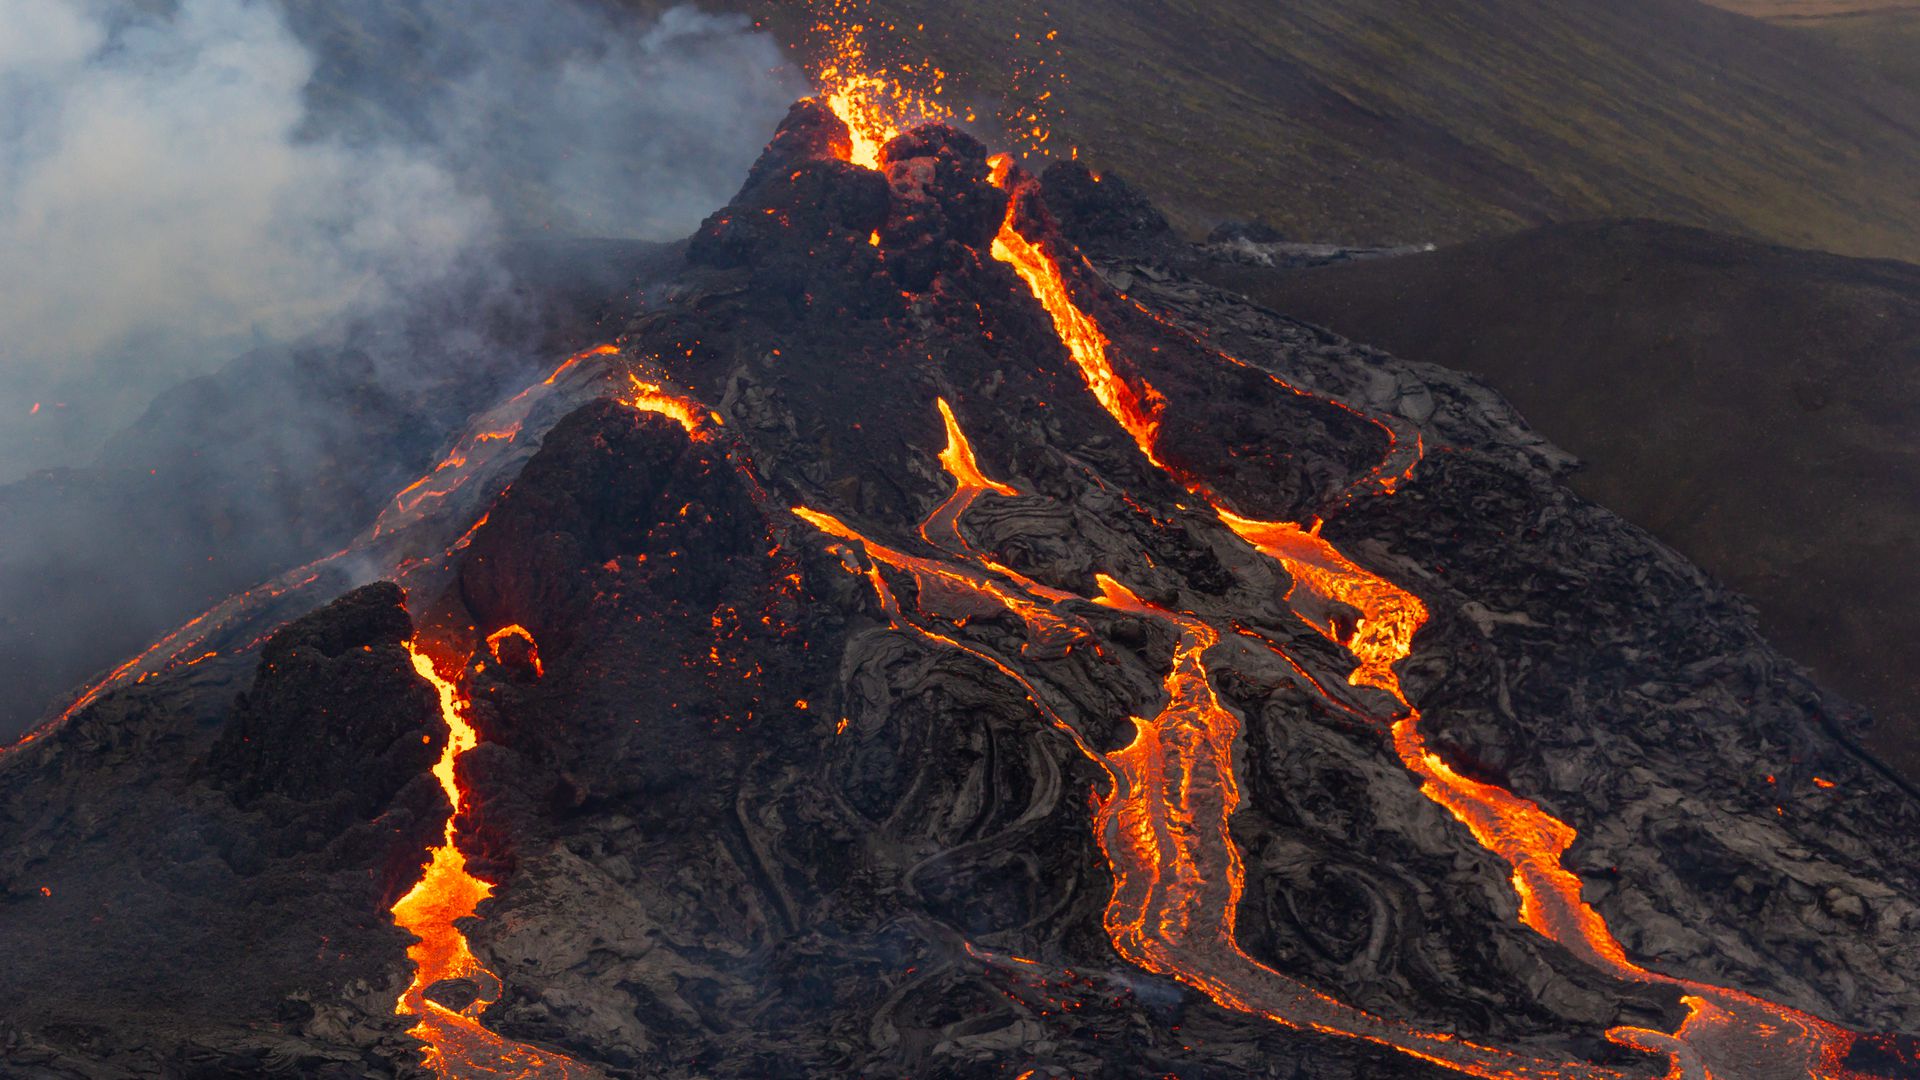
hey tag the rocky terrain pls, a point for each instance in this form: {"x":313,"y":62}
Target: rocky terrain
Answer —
{"x":881,"y":708}
{"x":279,"y":458}
{"x":1750,"y":405}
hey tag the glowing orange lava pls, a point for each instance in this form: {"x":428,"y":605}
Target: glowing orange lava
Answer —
{"x":876,"y":102}
{"x":1164,"y":825}
{"x":1729,"y":1032}
{"x":969,"y":483}
{"x":958,"y":458}
{"x":521,"y":633}
{"x":457,"y":1046}
{"x":655,"y":398}
{"x":1163,"y":821}
{"x":1138,"y":408}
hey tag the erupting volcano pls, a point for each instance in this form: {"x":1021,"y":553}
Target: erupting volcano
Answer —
{"x":914,"y":648}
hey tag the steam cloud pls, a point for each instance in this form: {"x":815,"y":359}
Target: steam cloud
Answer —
{"x":257,"y":260}
{"x":185,"y":179}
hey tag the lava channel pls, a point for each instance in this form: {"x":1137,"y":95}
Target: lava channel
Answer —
{"x":1728,"y":1033}
{"x":457,"y":1046}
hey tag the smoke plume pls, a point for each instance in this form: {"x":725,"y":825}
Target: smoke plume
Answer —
{"x":260,"y":258}
{"x":180,"y":181}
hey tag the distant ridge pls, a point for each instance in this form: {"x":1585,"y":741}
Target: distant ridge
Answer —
{"x":1391,"y":121}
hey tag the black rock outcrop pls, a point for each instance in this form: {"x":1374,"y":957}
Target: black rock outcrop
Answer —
{"x":336,"y":710}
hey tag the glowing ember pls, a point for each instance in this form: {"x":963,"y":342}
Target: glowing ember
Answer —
{"x":876,"y":102}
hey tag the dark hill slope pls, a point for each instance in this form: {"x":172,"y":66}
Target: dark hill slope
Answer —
{"x":1886,"y":41}
{"x":1397,"y":120}
{"x":1373,"y":120}
{"x":1883,"y":35}
{"x":1754,"y":406}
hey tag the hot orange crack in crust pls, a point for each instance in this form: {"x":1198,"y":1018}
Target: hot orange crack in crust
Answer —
{"x":519,"y":633}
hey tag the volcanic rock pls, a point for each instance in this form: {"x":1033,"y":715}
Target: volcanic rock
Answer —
{"x":809,"y":781}
{"x":335,"y":710}
{"x":1103,"y":215}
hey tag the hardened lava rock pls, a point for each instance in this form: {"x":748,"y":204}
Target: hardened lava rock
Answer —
{"x":796,"y":796}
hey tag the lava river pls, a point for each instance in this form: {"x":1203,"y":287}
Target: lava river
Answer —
{"x":1727,"y":1034}
{"x":1164,"y":822}
{"x":457,"y":1045}
{"x":1164,"y":817}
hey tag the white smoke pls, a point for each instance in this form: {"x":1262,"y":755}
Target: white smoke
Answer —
{"x":634,"y":134}
{"x":157,"y":211}
{"x":177,"y":185}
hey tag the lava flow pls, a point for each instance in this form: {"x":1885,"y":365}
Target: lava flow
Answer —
{"x":1165,"y":823}
{"x":409,"y":507}
{"x":1171,"y":791}
{"x":457,"y":1046}
{"x":1728,"y":1032}
{"x":1163,"y":816}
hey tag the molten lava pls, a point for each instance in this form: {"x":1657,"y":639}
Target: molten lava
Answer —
{"x":1729,"y":1032}
{"x":457,"y":1046}
{"x":1137,"y":409}
{"x":877,"y":103}
{"x":655,"y":398}
{"x":1165,"y":822}
{"x":1164,"y":818}
{"x":518,"y":633}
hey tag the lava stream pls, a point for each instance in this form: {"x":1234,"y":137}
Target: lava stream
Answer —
{"x":1137,"y":408}
{"x":1728,"y":1031}
{"x":1171,"y":792}
{"x":503,"y":426}
{"x":457,"y":1046}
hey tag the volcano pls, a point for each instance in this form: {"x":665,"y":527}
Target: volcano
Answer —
{"x":939,"y":638}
